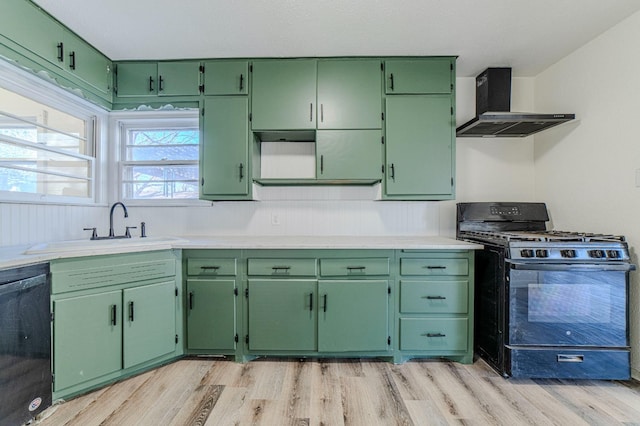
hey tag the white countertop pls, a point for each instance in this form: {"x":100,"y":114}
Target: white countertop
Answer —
{"x":16,"y":256}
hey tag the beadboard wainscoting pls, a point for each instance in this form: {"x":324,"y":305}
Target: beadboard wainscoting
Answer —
{"x":23,"y":224}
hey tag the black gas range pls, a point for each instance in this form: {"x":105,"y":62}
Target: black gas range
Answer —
{"x":548,"y":304}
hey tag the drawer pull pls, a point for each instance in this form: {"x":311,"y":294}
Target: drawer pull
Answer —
{"x":570,"y":358}
{"x":324,"y":308}
{"x":434,"y":297}
{"x":434,"y":267}
{"x":131,"y":311}
{"x":435,"y":335}
{"x":213,"y":268}
{"x":190,"y":300}
{"x":276,"y":269}
{"x":310,"y":301}
{"x":356,"y":268}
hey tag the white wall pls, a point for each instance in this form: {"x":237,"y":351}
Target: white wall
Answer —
{"x":586,"y":171}
{"x":486,"y":170}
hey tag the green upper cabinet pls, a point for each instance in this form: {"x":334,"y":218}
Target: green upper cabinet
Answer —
{"x":224,"y":172}
{"x":30,"y":32}
{"x":226,"y":77}
{"x":419,"y":76}
{"x":349,"y":94}
{"x":352,"y":315}
{"x":179,"y":78}
{"x":349,"y":154}
{"x":25,"y":24}
{"x":87,"y":63}
{"x":283,"y":94}
{"x":136,"y":79}
{"x":167,"y":78}
{"x":419,"y":147}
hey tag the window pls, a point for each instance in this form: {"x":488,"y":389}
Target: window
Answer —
{"x":159,"y":157}
{"x":45,"y":153}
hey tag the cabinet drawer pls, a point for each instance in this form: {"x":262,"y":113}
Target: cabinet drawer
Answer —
{"x":211,"y":267}
{"x":355,"y":267}
{"x":282,"y":267}
{"x":434,"y":297}
{"x":434,"y":267}
{"x":441,"y":334}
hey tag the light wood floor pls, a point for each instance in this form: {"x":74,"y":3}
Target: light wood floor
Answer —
{"x":346,"y":392}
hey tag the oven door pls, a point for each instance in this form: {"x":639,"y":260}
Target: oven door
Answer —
{"x":568,"y":304}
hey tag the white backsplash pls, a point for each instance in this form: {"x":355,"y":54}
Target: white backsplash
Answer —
{"x":23,"y":224}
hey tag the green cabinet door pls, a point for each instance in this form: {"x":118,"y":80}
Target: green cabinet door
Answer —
{"x":178,"y":78}
{"x":136,"y":79}
{"x":349,"y":154}
{"x":224,"y":154}
{"x":349,"y":94}
{"x":149,"y":322}
{"x":87,"y":63}
{"x":419,"y":76}
{"x":87,"y":338}
{"x":419,"y":146}
{"x":226,"y":77}
{"x":211,"y":314}
{"x":26,"y":25}
{"x":282,"y":314}
{"x":284,"y":94}
{"x":352,"y":315}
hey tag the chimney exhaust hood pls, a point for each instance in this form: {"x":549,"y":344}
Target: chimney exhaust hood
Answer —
{"x":493,"y":116}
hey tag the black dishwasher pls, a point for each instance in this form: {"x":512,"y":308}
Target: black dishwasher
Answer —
{"x":25,"y":343}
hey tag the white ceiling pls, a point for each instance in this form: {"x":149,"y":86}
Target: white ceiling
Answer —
{"x":528,"y":35}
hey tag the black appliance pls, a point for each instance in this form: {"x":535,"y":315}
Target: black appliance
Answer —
{"x":548,"y":304}
{"x":493,"y":117}
{"x":25,"y":343}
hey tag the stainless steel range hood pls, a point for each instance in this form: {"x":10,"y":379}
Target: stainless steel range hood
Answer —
{"x":493,"y":116}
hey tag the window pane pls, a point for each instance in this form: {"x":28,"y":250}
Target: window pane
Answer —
{"x":15,"y":180}
{"x":161,"y":182}
{"x":41,"y":123}
{"x":162,"y":144}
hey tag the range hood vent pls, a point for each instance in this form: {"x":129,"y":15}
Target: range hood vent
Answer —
{"x":493,"y":116}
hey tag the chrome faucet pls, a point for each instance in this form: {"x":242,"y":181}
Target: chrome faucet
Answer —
{"x":126,"y":214}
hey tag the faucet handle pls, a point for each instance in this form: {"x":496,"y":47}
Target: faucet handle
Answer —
{"x":94,"y":234}
{"x":127,"y":233}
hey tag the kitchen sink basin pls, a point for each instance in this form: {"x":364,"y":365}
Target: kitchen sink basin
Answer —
{"x":83,"y":245}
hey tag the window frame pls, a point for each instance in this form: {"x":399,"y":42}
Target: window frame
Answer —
{"x":36,"y":89}
{"x":123,"y":121}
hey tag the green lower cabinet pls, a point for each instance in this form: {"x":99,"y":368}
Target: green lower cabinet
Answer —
{"x":433,"y":334}
{"x":211,"y":313}
{"x":349,"y":155}
{"x":282,"y":315}
{"x":87,"y":338}
{"x":149,"y":325}
{"x":352,"y":315}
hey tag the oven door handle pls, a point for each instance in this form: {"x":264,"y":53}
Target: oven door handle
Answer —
{"x":625,"y":267}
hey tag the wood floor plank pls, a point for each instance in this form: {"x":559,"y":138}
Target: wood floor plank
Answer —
{"x":292,"y":392}
{"x":228,"y":409}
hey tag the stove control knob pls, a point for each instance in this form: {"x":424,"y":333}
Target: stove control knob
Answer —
{"x":526,"y":253}
{"x":597,"y":253}
{"x":613,"y":254}
{"x":542,"y":253}
{"x":568,"y":253}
